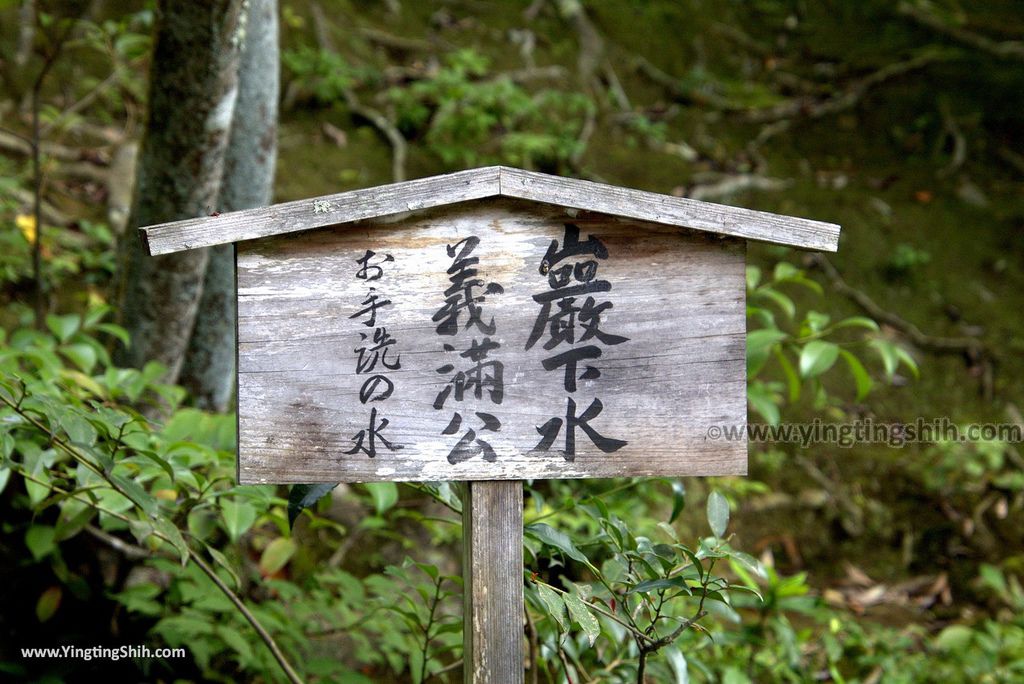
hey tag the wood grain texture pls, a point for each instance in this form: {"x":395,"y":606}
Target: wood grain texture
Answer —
{"x":492,"y":562}
{"x":290,"y":217}
{"x":679,"y":299}
{"x":492,"y":181}
{"x":669,"y":210}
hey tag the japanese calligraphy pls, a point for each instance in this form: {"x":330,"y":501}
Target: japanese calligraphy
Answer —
{"x":569,"y":323}
{"x":475,"y":378}
{"x":375,"y":356}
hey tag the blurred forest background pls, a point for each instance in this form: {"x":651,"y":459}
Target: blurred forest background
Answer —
{"x":901,"y":121}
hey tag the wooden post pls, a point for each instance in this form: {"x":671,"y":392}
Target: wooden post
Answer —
{"x":492,"y":568}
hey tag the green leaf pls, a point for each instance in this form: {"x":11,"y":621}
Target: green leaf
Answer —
{"x":857,"y":322}
{"x":677,"y":662}
{"x":718,"y":513}
{"x":887,"y":351}
{"x":238,"y":516}
{"x":234,"y":639}
{"x":139,"y":496}
{"x":954,"y":638}
{"x":759,"y":346}
{"x":753,"y":277}
{"x":63,"y":327}
{"x":553,"y":602}
{"x":48,"y":603}
{"x":560,"y":540}
{"x":302,"y":496}
{"x":762,"y":399}
{"x":40,"y":541}
{"x":172,"y":534}
{"x":581,"y":614}
{"x":782,"y":301}
{"x":908,"y":361}
{"x":648,"y":586}
{"x":785,"y":271}
{"x":384,"y":495}
{"x":817,"y":357}
{"x":749,"y":562}
{"x":792,"y":379}
{"x":815,"y":322}
{"x":82,"y":355}
{"x":860,"y":374}
{"x":222,"y":560}
{"x":277,"y":554}
{"x":678,"y":499}
{"x":80,"y":431}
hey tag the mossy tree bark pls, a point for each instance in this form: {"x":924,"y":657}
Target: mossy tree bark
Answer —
{"x":193,"y":87}
{"x":209,"y":367}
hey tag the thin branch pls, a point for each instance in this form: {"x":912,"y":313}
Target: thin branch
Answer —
{"x":847,"y":98}
{"x":124,"y":548}
{"x":399,"y":148}
{"x":532,"y":642}
{"x":948,"y":345}
{"x":279,"y":656}
{"x":85,"y":100}
{"x":264,"y":635}
{"x":49,"y":60}
{"x":1007,"y":49}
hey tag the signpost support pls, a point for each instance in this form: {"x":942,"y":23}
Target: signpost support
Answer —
{"x":492,"y":567}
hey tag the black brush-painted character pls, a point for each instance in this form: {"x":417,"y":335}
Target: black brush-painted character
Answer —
{"x":570,"y":314}
{"x":368,"y":271}
{"x":460,"y":295}
{"x":483,"y":375}
{"x":370,"y":355}
{"x":470,"y":445}
{"x":549,"y":431}
{"x":366,"y":440}
{"x":371,"y":304}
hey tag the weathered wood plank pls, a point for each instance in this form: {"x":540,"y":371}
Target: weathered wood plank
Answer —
{"x":669,"y":210}
{"x":492,"y":562}
{"x":290,"y":217}
{"x":679,"y":299}
{"x":436,"y":191}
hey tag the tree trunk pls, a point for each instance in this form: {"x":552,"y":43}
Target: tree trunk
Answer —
{"x":209,"y":368}
{"x":191,"y":102}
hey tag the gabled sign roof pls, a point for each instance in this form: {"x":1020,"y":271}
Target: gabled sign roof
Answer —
{"x":482,"y":183}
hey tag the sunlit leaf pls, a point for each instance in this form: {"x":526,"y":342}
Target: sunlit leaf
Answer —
{"x":860,"y":374}
{"x":817,"y":357}
{"x":276,"y":555}
{"x":718,"y":513}
{"x":582,"y":615}
{"x":384,"y":495}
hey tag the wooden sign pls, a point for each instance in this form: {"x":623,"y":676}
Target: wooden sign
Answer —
{"x":491,"y":324}
{"x":545,"y":328}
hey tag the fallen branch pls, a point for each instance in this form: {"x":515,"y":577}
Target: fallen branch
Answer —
{"x":399,"y":147}
{"x":51,"y":215}
{"x":678,"y":90}
{"x":592,"y":46}
{"x":730,"y":185}
{"x":393,"y":42}
{"x":1006,"y":49}
{"x":12,"y":143}
{"x":849,"y":97}
{"x":970,"y":346}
